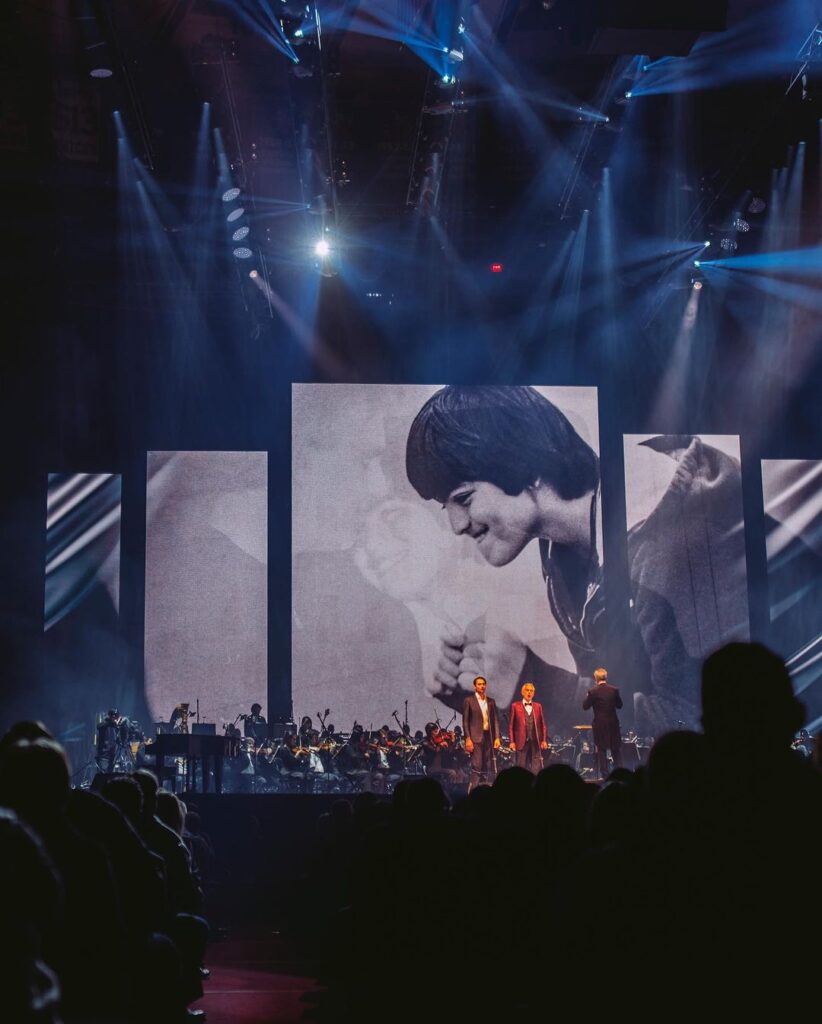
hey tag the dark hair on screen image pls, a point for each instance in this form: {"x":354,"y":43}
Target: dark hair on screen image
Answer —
{"x":505,"y":435}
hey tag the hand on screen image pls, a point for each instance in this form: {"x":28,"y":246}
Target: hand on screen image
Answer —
{"x":483,"y":649}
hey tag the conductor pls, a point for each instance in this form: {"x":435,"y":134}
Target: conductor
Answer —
{"x":605,"y":700}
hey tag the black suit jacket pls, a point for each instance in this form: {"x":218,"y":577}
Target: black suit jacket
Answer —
{"x":472,"y":718}
{"x":605,"y":700}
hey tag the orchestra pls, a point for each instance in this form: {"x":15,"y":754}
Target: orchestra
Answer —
{"x":315,"y":757}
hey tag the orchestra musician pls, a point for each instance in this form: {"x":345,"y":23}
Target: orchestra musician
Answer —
{"x":437,"y":753}
{"x":527,"y":730}
{"x":112,"y":732}
{"x":291,"y":763}
{"x":480,"y":725}
{"x":255,"y":724}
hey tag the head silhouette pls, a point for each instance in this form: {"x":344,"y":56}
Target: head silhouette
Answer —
{"x":747,"y":692}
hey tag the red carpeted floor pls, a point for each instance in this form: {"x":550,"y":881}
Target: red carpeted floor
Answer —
{"x":256,"y":978}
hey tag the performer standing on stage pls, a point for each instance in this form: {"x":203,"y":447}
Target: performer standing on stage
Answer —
{"x":527,"y":730}
{"x":480,"y":723}
{"x":605,"y":700}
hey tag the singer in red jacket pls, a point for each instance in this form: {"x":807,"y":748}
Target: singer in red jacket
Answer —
{"x":527,"y":730}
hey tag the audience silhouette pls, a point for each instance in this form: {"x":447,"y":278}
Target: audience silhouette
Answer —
{"x":683,"y":886}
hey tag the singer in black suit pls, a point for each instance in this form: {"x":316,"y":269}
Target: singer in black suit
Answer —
{"x":605,"y":700}
{"x":480,"y":726}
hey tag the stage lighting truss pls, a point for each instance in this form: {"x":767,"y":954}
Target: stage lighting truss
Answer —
{"x":809,"y":53}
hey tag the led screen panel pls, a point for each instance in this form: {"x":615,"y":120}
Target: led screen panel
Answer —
{"x":206,"y":583}
{"x":397,"y":603}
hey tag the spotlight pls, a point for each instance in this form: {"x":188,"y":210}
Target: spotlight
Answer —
{"x":628,"y":94}
{"x":742,"y":225}
{"x":729,"y":245}
{"x":101,"y":72}
{"x":322,"y":248}
{"x":706,"y":244}
{"x":240,"y":233}
{"x":230,"y":195}
{"x":455,"y":56}
{"x":242,"y":252}
{"x":461,"y":27}
{"x":253,"y":275}
{"x":235,"y":214}
{"x":496,"y":268}
{"x":697,"y":285}
{"x":756,"y":205}
{"x":448,"y":79}
{"x":697,"y":263}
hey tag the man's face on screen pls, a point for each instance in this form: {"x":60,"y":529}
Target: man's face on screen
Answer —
{"x":501,"y":524}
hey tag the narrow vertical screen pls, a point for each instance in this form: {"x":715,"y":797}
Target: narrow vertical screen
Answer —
{"x":83,"y":651}
{"x":687,"y":569}
{"x":206,"y":583}
{"x":792,"y":493}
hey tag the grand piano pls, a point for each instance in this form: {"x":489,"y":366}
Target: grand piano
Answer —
{"x":193,"y":748}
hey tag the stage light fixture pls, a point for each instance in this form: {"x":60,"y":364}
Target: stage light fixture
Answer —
{"x":696,"y":263}
{"x":742,"y":225}
{"x":235,"y":214}
{"x":461,"y":26}
{"x":628,"y":94}
{"x":706,"y":244}
{"x":242,"y":252}
{"x":240,"y":233}
{"x":230,"y":195}
{"x":729,"y":245}
{"x":322,"y":248}
{"x":448,"y":79}
{"x":756,"y":205}
{"x":455,"y":56}
{"x":697,"y":285}
{"x":253,"y":275}
{"x":101,"y":72}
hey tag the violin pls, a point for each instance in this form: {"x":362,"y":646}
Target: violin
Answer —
{"x":443,"y":739}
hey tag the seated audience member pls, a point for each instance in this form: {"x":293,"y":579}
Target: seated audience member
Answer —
{"x":34,"y":782}
{"x":30,"y":912}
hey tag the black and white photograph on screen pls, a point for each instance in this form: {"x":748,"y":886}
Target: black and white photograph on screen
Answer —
{"x":792,"y":493}
{"x":687,"y":568}
{"x":411,"y":507}
{"x":206,"y":583}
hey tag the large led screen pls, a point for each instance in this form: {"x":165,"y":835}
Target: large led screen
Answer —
{"x":412,"y":572}
{"x":84,"y":656}
{"x":206,"y":583}
{"x":792,"y":491}
{"x":687,"y":568}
